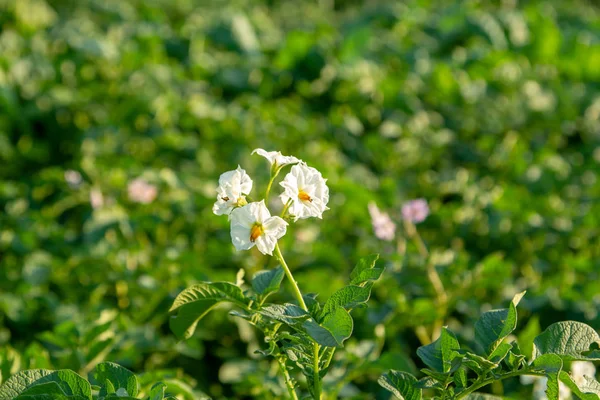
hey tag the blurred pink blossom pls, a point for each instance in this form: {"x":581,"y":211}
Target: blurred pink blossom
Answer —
{"x":96,"y":198}
{"x":415,"y":211}
{"x":73,"y":178}
{"x":383,"y":226}
{"x":141,"y":191}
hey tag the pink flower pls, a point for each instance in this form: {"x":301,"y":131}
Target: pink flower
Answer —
{"x":141,"y":191}
{"x":383,"y":226}
{"x":96,"y":198}
{"x":415,"y":211}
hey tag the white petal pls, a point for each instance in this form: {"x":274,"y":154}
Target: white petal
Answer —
{"x":269,"y":155}
{"x":259,"y":211}
{"x":275,"y":227}
{"x":243,"y":216}
{"x":290,"y":185}
{"x":225,"y":178}
{"x":286,"y":160}
{"x":240,"y":237}
{"x":222,"y":207}
{"x":266,"y":244}
{"x":275,"y":157}
{"x":237,"y":182}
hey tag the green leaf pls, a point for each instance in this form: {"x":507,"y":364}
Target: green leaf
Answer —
{"x":494,"y":326}
{"x":69,"y":383}
{"x":482,"y":396}
{"x":586,"y":388}
{"x":17,"y":383}
{"x":552,"y":365}
{"x":267,"y":282}
{"x":428,"y":382}
{"x":500,"y":352}
{"x":401,"y":384}
{"x":569,"y":339}
{"x":527,"y":335}
{"x":117,"y":376}
{"x":479,"y":364}
{"x":157,"y":392}
{"x":339,"y":323}
{"x":460,"y":378}
{"x":439,"y":354}
{"x":289,"y":314}
{"x":195,"y":302}
{"x":347,"y":297}
{"x":335,"y":328}
{"x":47,"y":388}
{"x":515,"y":359}
{"x":365,"y":270}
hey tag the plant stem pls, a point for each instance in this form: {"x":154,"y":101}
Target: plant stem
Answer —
{"x":316,"y":374}
{"x":330,"y":357}
{"x":274,"y":174}
{"x":288,"y":273}
{"x":285,"y":208}
{"x":481,"y":383}
{"x":298,"y":295}
{"x":288,"y":380}
{"x":422,"y":334}
{"x":432,"y":275}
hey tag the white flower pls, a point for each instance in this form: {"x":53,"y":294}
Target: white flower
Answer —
{"x":383,"y":226}
{"x":233,"y":185}
{"x":276,"y":158}
{"x":581,"y":369}
{"x":140,"y":191}
{"x":540,"y":384}
{"x":307,"y":190}
{"x":73,"y":178}
{"x":253,"y":225}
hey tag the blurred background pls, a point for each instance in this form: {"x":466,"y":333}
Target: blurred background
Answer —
{"x":117,"y":118}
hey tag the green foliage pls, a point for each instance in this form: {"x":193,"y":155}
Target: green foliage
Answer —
{"x":195,"y":302}
{"x":489,"y":110}
{"x":113,"y":381}
{"x":290,"y":331}
{"x":447,"y":378}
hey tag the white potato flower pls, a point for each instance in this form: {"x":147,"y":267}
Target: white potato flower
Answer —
{"x":253,"y":225}
{"x":307,"y":190}
{"x":276,"y":159}
{"x":233,"y":186}
{"x":581,"y":369}
{"x":540,"y":384}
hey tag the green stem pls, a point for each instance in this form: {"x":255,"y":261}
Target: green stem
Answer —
{"x":271,"y":180}
{"x":298,"y":295}
{"x":288,"y":273}
{"x":479,"y":384}
{"x":330,"y":357}
{"x":285,"y":208}
{"x":286,"y":377}
{"x":316,"y":374}
{"x":432,"y":275}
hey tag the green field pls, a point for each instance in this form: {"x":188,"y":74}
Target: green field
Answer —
{"x":488,"y":110}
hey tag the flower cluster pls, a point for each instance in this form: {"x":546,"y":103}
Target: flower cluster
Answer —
{"x":305,"y":194}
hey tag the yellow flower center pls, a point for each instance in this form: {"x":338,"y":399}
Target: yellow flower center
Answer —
{"x":302,"y":195}
{"x":241,"y":201}
{"x":256,"y":231}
